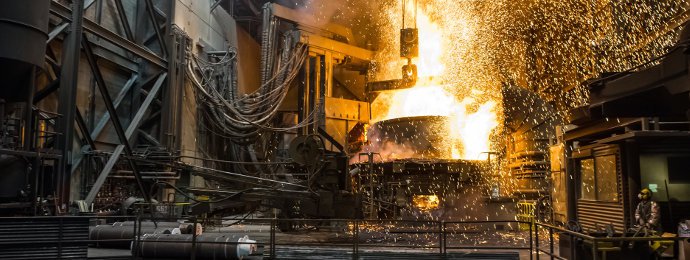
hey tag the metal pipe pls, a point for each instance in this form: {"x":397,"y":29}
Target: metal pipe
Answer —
{"x":207,"y":246}
{"x":121,"y":236}
{"x":185,"y":228}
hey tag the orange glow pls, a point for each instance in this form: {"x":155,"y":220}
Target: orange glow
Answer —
{"x":470,"y":122}
{"x":425,"y":202}
{"x":430,"y":48}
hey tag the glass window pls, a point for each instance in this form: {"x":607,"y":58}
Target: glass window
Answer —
{"x":606,"y":183}
{"x":678,"y":169}
{"x":587,"y":174}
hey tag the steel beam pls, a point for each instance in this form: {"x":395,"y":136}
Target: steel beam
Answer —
{"x":153,"y":37}
{"x":67,"y":99}
{"x":103,"y":175}
{"x":104,"y":120}
{"x":120,"y":96}
{"x":320,"y":42}
{"x":152,"y":15}
{"x":56,"y":31}
{"x":100,"y":82}
{"x":49,"y":89}
{"x":123,"y":20}
{"x":81,"y":124}
{"x":88,"y":4}
{"x":109,"y":52}
{"x":114,"y":55}
{"x":64,"y":13}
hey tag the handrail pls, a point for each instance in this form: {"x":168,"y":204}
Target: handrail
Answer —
{"x":594,"y":241}
{"x":433,"y":228}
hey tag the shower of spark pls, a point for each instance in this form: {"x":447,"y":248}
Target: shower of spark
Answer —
{"x":470,"y":122}
{"x":548,"y":47}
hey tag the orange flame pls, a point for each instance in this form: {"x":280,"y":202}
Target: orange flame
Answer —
{"x":470,"y":123}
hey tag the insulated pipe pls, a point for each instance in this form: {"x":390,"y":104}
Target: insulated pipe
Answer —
{"x":120,"y":233}
{"x":185,"y":228}
{"x":208,"y":246}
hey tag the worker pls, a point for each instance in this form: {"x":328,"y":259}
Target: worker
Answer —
{"x":647,"y":211}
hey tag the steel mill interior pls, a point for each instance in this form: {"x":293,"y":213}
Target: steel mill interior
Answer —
{"x":345,"y":129}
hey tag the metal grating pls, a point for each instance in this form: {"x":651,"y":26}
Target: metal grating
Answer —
{"x":44,"y":238}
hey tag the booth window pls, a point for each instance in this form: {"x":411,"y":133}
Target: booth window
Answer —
{"x":599,"y":178}
{"x":588,"y":182}
{"x":607,"y":183}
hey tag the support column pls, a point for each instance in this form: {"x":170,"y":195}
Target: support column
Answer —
{"x":71,"y":52}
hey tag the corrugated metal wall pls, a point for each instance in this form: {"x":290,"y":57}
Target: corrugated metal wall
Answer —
{"x":592,"y":213}
{"x":44,"y":238}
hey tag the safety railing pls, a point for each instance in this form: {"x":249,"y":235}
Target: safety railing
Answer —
{"x":349,"y":236}
{"x":65,"y":236}
{"x":583,"y":246}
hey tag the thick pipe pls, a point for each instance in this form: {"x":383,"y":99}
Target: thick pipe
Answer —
{"x":207,"y":246}
{"x":185,"y":228}
{"x":123,"y":235}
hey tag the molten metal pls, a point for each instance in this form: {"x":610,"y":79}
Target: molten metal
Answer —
{"x":470,"y":122}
